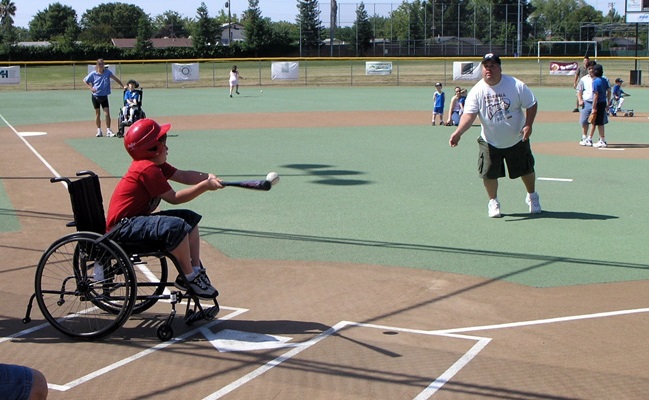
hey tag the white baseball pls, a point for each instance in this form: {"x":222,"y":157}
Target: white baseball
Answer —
{"x":261,"y":91}
{"x":272,"y":177}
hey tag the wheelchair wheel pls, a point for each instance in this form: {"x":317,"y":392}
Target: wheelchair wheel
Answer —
{"x":151,"y":282}
{"x":85,"y":289}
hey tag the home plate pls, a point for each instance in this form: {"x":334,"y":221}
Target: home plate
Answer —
{"x":32,"y":133}
{"x":229,"y":340}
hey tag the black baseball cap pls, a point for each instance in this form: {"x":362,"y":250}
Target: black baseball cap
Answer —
{"x":491,"y":57}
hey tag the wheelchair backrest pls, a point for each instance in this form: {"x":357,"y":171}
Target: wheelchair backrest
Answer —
{"x":87,"y":203}
{"x":140,"y":92}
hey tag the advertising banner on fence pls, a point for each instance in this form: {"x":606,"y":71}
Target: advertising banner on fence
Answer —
{"x":378,"y":68}
{"x":466,"y":70}
{"x":563,"y":68}
{"x":285,"y":70}
{"x":185,"y":72}
{"x":9,"y":75}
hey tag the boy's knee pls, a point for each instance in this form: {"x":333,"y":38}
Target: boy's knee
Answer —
{"x":39,"y":386}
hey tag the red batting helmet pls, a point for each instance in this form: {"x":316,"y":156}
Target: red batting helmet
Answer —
{"x":142,"y":140}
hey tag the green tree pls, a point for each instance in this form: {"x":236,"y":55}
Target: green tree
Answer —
{"x":111,"y":20}
{"x":7,"y":31}
{"x":206,"y":32}
{"x":308,"y":20}
{"x":56,"y":22}
{"x":143,"y":40}
{"x":170,"y":24}
{"x":363,"y":28}
{"x":256,"y":27}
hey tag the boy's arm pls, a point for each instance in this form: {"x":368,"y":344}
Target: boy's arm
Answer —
{"x":192,"y":192}
{"x":189,"y":177}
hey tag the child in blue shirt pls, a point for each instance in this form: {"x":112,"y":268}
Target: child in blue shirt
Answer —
{"x":438,"y":104}
{"x":618,"y":97}
{"x":131,"y":99}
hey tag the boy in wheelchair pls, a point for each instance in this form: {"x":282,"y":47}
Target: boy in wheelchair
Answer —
{"x":132,"y":109}
{"x":131,"y":101}
{"x":139,"y":192}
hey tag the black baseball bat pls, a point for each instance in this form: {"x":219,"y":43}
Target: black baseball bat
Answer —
{"x":254,"y":184}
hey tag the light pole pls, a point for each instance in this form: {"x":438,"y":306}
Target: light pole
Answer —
{"x":227,"y":5}
{"x":519,"y":22}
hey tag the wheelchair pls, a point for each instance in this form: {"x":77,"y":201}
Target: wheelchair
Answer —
{"x":122,"y":120}
{"x":87,"y":285}
{"x":615,"y":107}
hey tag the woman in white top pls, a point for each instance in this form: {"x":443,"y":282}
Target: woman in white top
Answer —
{"x":234,"y":79}
{"x":455,"y":110}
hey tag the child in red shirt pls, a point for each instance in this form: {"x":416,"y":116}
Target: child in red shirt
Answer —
{"x":139,"y":192}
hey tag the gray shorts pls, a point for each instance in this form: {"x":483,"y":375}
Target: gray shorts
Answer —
{"x":491,"y":160}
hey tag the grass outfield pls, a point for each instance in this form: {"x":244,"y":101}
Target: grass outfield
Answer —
{"x":406,"y":71}
{"x":391,"y":195}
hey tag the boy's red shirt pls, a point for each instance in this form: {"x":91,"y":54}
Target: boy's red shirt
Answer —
{"x":138,"y":192}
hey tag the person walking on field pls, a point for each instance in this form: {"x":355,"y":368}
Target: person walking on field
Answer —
{"x":234,"y":79}
{"x":581,"y":72}
{"x":507,"y":109}
{"x":99,"y":83}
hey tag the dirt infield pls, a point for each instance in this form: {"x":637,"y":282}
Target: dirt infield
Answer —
{"x":322,"y":330}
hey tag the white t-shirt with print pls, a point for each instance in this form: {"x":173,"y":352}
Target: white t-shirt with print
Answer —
{"x":501,"y":110}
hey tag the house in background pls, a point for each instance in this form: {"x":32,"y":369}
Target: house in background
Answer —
{"x":236,"y":32}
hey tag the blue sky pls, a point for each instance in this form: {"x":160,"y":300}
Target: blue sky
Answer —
{"x":276,"y":10}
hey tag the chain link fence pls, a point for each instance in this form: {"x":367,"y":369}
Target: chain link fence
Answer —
{"x":312,"y":72}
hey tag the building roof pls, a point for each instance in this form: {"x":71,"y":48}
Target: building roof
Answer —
{"x":158,"y":43}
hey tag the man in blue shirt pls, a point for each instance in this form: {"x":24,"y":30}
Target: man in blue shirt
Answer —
{"x":99,"y":83}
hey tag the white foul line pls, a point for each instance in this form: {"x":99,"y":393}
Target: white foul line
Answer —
{"x":555,"y":179}
{"x":542,"y":321}
{"x":36,"y":153}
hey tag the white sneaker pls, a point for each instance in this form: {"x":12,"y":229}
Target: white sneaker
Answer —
{"x":586,"y":142}
{"x":99,"y":134}
{"x":109,"y":133}
{"x":532,"y":200}
{"x":494,"y":208}
{"x":600,"y":144}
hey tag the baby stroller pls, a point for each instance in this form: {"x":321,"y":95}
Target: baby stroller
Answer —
{"x":123,"y":119}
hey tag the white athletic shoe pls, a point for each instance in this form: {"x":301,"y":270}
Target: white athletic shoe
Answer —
{"x":532,"y":200}
{"x":586,"y":142}
{"x":494,"y":208}
{"x":109,"y":133}
{"x":99,"y":134}
{"x":600,"y":144}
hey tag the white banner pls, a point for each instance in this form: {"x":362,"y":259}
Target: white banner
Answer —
{"x":185,"y":72}
{"x":378,"y":68}
{"x":9,"y":75}
{"x":285,"y":70}
{"x":563,"y":68}
{"x":466,"y":71}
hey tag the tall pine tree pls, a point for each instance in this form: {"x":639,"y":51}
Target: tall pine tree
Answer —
{"x":308,"y":20}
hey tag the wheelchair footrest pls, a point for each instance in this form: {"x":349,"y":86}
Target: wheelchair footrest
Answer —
{"x":202,"y":313}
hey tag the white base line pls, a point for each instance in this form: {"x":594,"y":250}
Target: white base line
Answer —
{"x":36,"y":153}
{"x":555,"y":179}
{"x":542,"y":321}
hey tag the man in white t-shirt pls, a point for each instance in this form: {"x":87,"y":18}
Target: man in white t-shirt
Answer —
{"x":585,"y":98}
{"x":507,"y":109}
